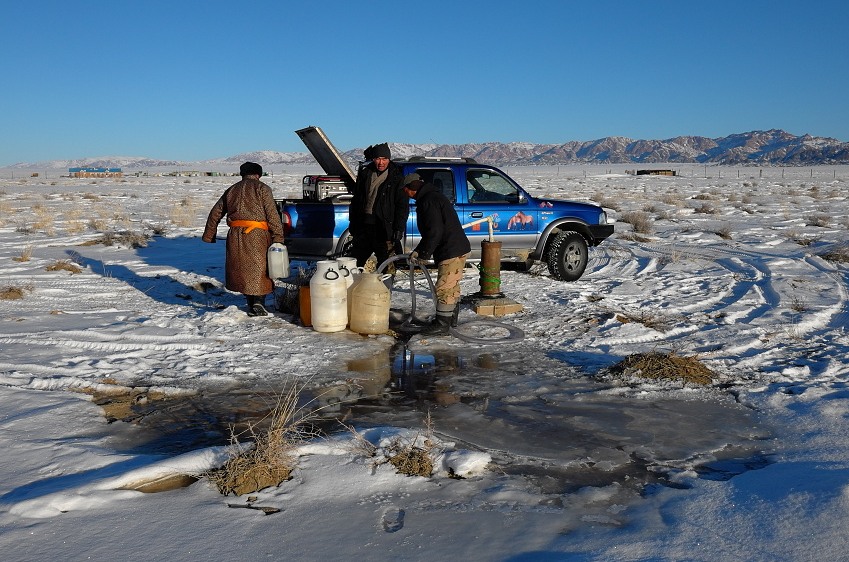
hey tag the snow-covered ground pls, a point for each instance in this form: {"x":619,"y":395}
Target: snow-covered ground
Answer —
{"x":560,"y":461}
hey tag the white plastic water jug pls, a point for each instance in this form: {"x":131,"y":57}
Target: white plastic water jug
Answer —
{"x":356,"y":277}
{"x":347,"y":267}
{"x":278,"y":261}
{"x":328,"y":298}
{"x":370,"y":305}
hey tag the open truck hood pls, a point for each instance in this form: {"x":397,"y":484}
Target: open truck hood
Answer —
{"x":326,"y":154}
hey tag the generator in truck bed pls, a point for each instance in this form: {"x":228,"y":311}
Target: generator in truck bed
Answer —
{"x":556,"y":232}
{"x":319,"y":188}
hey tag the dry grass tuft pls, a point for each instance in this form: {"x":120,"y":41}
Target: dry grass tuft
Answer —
{"x":818,"y":219}
{"x":634,"y":237}
{"x":639,"y":220}
{"x":413,"y":457}
{"x":606,"y":201}
{"x":12,"y":292}
{"x":724,"y":232}
{"x":126,"y":238}
{"x":64,"y":265}
{"x":706,"y":208}
{"x":185,"y":213}
{"x":668,"y":366}
{"x":410,"y":460}
{"x":648,"y":319}
{"x":26,"y":254}
{"x":838,"y":254}
{"x":271,"y":459}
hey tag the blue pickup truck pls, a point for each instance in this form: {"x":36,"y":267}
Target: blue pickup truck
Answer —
{"x":553,"y":231}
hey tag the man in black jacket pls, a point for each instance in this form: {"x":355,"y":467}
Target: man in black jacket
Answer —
{"x":443,"y":238}
{"x":379,"y":210}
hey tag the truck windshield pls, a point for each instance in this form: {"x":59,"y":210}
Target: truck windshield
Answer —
{"x":487,"y":186}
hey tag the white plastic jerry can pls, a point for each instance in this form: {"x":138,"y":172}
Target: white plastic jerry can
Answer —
{"x":278,"y":261}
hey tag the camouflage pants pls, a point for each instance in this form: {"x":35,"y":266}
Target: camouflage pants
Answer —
{"x":449,"y":274}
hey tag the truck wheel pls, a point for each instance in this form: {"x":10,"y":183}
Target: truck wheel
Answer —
{"x":348,"y":246}
{"x":567,"y":257}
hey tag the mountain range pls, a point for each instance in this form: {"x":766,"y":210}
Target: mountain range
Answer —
{"x":773,"y":147}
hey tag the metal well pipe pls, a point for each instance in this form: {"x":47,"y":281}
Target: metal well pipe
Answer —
{"x":490,"y":268}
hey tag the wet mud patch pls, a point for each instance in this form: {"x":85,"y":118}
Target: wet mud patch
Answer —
{"x":183,"y":420}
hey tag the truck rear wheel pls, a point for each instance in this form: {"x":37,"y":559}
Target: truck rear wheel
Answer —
{"x":568,"y":256}
{"x":348,"y":245}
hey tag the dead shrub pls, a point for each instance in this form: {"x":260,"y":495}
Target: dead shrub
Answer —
{"x":724,"y":232}
{"x":667,"y":366}
{"x":650,"y":320}
{"x":410,"y":460}
{"x":126,"y":238}
{"x":13,"y":292}
{"x":798,"y":304}
{"x":605,"y":201}
{"x":819,"y":219}
{"x":673,"y":199}
{"x":185,"y":213}
{"x":838,"y":254}
{"x":44,"y":221}
{"x":98,"y":224}
{"x":413,"y":457}
{"x":707,"y":209}
{"x":158,"y":229}
{"x":26,"y":254}
{"x":269,"y":459}
{"x":807,"y":240}
{"x":64,"y":265}
{"x":633,"y":237}
{"x":639,"y":220}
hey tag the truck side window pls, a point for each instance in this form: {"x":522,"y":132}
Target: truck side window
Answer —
{"x":443,"y":180}
{"x":486,"y":186}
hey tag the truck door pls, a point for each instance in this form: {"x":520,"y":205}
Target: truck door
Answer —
{"x":515,"y":222}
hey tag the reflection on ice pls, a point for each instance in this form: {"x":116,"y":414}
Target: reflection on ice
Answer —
{"x":551,"y":423}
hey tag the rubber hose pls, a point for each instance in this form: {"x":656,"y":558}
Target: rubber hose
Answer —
{"x":514,"y":334}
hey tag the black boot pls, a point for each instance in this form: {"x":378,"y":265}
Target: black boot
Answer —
{"x":440,"y":326}
{"x":256,"y":305}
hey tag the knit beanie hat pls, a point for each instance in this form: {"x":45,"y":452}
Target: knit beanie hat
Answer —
{"x":380,"y":151}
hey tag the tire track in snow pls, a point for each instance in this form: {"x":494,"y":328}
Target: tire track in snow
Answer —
{"x":754,"y":315}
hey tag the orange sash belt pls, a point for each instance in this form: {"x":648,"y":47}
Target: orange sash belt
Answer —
{"x":248,"y":225}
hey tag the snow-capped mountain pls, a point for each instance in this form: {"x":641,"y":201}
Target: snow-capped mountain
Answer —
{"x":773,"y":147}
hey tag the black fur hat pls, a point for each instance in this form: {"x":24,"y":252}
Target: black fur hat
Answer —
{"x":250,"y":169}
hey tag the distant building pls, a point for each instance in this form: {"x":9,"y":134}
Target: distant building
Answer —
{"x":95,"y":172}
{"x":656,"y":173}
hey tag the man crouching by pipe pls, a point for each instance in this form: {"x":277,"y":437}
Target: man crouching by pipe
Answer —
{"x":443,"y":238}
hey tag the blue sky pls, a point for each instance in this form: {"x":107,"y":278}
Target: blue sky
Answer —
{"x":200,"y":79}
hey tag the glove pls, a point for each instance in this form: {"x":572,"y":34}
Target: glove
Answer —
{"x":414,"y":257}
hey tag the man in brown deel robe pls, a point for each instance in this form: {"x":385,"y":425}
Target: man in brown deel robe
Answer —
{"x":254,"y":225}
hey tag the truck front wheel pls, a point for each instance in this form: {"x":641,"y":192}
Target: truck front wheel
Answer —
{"x":568,"y":256}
